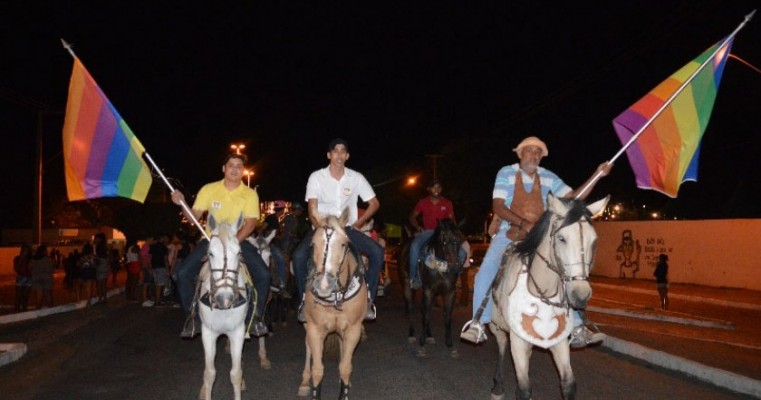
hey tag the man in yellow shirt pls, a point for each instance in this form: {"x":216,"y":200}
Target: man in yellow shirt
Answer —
{"x":225,"y":200}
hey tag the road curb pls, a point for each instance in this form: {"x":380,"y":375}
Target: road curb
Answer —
{"x":715,"y":376}
{"x":10,"y":352}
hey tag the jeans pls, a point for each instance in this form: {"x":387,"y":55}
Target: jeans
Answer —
{"x":360,"y":241}
{"x":486,"y":274}
{"x":187,"y":272}
{"x":277,"y":255}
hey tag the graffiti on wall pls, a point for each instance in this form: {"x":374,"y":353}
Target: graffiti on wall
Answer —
{"x":630,"y":256}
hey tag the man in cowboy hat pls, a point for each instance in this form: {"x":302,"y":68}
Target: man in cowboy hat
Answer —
{"x":519,"y":199}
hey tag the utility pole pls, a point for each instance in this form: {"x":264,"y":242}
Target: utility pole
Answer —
{"x":434,"y":157}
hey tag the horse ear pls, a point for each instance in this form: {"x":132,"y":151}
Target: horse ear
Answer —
{"x":344,"y":216}
{"x":212,"y":222}
{"x":269,"y":237}
{"x":555,"y":205}
{"x":597,"y":207}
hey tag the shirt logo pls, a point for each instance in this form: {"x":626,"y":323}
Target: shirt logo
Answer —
{"x":347,"y":191}
{"x":216,"y":205}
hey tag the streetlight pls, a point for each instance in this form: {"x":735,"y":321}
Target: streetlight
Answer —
{"x":238,"y":147}
{"x":249,"y":173}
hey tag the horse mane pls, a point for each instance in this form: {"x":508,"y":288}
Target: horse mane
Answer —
{"x":444,"y":225}
{"x":526,"y":249}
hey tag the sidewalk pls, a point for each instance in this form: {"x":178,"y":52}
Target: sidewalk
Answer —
{"x":709,"y":333}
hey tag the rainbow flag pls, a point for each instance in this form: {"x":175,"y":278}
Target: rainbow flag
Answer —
{"x":102,"y":157}
{"x":674,"y":116}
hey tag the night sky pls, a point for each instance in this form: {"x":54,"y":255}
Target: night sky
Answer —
{"x":398,"y":81}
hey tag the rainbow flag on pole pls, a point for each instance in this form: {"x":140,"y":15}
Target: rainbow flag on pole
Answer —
{"x":102,"y":157}
{"x":672,"y":119}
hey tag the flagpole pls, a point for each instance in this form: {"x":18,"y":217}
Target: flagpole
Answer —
{"x":636,"y":136}
{"x":183,"y":204}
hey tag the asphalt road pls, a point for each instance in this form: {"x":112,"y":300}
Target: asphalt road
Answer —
{"x":120,"y":350}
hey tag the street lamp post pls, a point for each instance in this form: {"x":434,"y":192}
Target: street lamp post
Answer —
{"x":248,"y":174}
{"x":237,"y":147}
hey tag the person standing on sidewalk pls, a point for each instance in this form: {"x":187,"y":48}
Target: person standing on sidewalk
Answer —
{"x":661,"y":280}
{"x":519,"y":199}
{"x":226,"y":200}
{"x":23,"y":277}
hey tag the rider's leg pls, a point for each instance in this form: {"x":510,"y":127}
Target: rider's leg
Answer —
{"x":185,"y":275}
{"x":474,"y":330}
{"x":261,"y":277}
{"x":277,"y":255}
{"x":415,"y":249}
{"x":300,"y":270}
{"x":374,"y":252}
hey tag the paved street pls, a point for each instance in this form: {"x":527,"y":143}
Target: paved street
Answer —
{"x":121,"y":350}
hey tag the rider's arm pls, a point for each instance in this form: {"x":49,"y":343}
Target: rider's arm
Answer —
{"x":505,"y":213}
{"x":413,"y":220}
{"x":249,"y":224}
{"x":372,"y":207}
{"x":312,"y":211}
{"x":602,"y":169}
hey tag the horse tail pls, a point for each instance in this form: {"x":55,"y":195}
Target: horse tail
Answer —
{"x":332,"y":347}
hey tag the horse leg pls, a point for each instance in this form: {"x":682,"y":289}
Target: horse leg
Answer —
{"x":521,"y":352}
{"x":264,"y":362}
{"x":236,"y":349}
{"x":349,"y":343}
{"x":425,"y":313}
{"x":448,"y":307}
{"x":209,"y":339}
{"x":307,"y":374}
{"x":316,"y":343}
{"x":498,"y":390}
{"x":430,"y":299}
{"x":561,"y":353}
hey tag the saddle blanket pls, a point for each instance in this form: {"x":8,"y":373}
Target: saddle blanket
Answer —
{"x":533,"y":320}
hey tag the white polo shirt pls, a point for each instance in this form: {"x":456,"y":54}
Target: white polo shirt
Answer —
{"x":333,"y":196}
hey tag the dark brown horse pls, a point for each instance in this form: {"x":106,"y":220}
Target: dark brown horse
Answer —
{"x":439,"y":271}
{"x":335,"y":302}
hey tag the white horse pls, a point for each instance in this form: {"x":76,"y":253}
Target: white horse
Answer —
{"x":223,"y":303}
{"x":262,"y":244}
{"x":541,"y":279}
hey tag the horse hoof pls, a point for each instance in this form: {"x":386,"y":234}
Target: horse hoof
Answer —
{"x":430,"y":340}
{"x":304,"y":391}
{"x":421,"y":353}
{"x":454,"y":354}
{"x":497,"y":396}
{"x":265,"y":364}
{"x":412,"y":339}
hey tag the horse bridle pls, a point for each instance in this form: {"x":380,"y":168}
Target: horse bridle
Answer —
{"x":227,"y":281}
{"x":341,"y":289}
{"x":560,"y":268}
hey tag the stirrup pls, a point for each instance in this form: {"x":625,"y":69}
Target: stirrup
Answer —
{"x":474,"y":332}
{"x":581,"y":336}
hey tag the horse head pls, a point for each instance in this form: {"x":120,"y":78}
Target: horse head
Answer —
{"x":262,"y":245}
{"x":565,"y":241}
{"x":224,"y":263}
{"x":446,"y":242}
{"x":331,"y":254}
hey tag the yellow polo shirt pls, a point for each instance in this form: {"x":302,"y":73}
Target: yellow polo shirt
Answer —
{"x":226,"y":205}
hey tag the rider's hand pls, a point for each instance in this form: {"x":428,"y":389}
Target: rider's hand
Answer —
{"x":177,"y":197}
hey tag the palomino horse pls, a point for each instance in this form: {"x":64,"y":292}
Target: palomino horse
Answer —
{"x":262,"y":245}
{"x":335,"y":302}
{"x":223,"y":303}
{"x":540,"y":280}
{"x":439,"y":272}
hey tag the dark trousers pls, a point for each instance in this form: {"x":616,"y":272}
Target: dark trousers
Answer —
{"x":188,"y":270}
{"x":363,"y":243}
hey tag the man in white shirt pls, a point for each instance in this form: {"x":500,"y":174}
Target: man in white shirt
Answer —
{"x":329,"y":191}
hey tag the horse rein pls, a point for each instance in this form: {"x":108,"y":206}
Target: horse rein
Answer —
{"x":227,"y":281}
{"x":559,"y":268}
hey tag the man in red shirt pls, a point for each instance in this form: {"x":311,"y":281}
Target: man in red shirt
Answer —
{"x":432,"y":208}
